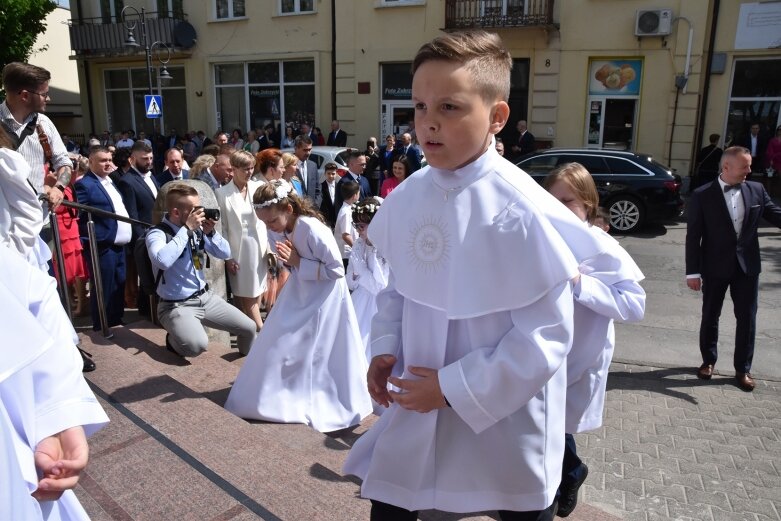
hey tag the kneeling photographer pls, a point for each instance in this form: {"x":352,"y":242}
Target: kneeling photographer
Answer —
{"x":179,"y":248}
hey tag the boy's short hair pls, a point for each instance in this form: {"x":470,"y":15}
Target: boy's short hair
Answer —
{"x":330,"y":166}
{"x":482,"y":53}
{"x":178,"y":191}
{"x":349,"y":189}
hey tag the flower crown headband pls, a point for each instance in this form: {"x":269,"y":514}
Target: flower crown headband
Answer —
{"x":282,"y":189}
{"x":370,"y":208}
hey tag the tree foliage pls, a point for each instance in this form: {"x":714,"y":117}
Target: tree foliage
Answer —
{"x":21,"y":21}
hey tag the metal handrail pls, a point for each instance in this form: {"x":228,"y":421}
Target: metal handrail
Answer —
{"x":93,"y":248}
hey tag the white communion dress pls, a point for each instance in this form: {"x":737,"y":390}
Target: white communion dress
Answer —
{"x":307,"y":364}
{"x":367,"y":275}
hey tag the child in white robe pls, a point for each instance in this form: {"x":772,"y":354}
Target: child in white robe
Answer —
{"x":307,"y":365}
{"x":46,"y":407}
{"x":477,"y":315}
{"x":367,"y":271}
{"x":608,"y":289}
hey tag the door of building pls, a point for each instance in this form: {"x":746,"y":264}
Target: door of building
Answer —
{"x":397,"y":118}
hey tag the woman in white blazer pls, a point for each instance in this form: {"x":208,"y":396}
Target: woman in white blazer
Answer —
{"x":246,"y":235}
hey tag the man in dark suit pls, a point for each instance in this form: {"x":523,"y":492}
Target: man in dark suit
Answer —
{"x":306,"y":130}
{"x":722,"y":251}
{"x":525,"y":143}
{"x":98,"y":190}
{"x":356,"y":164}
{"x":307,"y":170}
{"x":337,"y":137}
{"x":756,"y":143}
{"x":411,"y":151}
{"x":139,"y":190}
{"x":173,"y":167}
{"x":708,"y":161}
{"x":328,"y":188}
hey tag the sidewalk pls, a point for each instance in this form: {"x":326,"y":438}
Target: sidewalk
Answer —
{"x":672,"y":447}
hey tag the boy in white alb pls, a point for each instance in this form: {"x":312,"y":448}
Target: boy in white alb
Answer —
{"x":477,"y":316}
{"x":344,"y":233}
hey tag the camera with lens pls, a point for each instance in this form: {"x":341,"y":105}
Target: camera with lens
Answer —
{"x":210,"y":213}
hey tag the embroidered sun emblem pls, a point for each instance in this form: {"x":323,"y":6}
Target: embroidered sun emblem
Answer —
{"x":429,"y":244}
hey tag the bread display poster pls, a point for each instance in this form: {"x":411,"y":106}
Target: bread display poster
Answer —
{"x":615,"y":77}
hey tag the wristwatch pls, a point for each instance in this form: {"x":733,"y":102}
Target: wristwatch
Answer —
{"x":60,"y":187}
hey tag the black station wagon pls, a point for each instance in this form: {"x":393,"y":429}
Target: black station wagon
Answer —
{"x":633,"y":188}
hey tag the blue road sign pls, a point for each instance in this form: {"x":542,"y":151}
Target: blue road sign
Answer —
{"x":154,"y":106}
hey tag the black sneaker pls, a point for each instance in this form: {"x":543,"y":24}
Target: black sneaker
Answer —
{"x":86,"y":357}
{"x":568,"y":499}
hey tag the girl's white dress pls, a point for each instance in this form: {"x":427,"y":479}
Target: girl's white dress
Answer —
{"x":367,"y":275}
{"x":307,"y":364}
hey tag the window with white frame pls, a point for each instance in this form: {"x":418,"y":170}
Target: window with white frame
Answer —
{"x":296,"y":6}
{"x":253,"y":95}
{"x":396,"y":3}
{"x":125,"y":109}
{"x":229,"y":9}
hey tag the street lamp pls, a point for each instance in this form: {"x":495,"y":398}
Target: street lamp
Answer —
{"x":131,"y":43}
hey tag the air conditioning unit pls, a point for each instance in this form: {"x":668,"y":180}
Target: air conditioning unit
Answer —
{"x":654,"y":22}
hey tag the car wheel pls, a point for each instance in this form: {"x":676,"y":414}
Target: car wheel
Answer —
{"x":626,"y":214}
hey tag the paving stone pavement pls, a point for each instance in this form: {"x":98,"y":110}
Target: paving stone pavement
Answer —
{"x":673,"y":447}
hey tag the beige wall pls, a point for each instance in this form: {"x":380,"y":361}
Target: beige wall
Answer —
{"x":64,"y":85}
{"x":369,"y":35}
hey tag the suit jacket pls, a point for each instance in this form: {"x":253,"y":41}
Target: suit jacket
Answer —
{"x":327,"y":207}
{"x":414,"y":158}
{"x":366,"y":190}
{"x":525,"y":143}
{"x":166,"y":176}
{"x":138,"y":198}
{"x":90,"y":191}
{"x":337,"y":138}
{"x":758,"y":161}
{"x":311,"y":184}
{"x":712,"y":247}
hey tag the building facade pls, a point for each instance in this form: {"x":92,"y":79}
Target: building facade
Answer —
{"x":582,"y":76}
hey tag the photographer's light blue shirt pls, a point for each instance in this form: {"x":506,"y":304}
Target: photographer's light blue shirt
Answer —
{"x":181,"y":279}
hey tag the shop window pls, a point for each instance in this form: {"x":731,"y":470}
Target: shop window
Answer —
{"x":613,"y":101}
{"x":755,"y":98}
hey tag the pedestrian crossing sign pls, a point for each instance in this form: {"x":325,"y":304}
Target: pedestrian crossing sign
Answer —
{"x":154,"y":106}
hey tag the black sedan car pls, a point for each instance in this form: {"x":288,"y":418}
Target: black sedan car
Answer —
{"x":633,"y":188}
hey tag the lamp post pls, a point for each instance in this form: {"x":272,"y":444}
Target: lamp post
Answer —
{"x":131,"y":43}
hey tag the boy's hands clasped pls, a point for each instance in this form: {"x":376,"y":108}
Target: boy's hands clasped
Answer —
{"x":422,"y":394}
{"x":60,"y":458}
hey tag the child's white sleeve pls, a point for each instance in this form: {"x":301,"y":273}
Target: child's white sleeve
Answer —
{"x":327,"y":262}
{"x":386,"y":324}
{"x":492,"y":382}
{"x":354,"y":272}
{"x":623,"y":300}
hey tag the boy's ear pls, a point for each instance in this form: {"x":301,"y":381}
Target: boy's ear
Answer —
{"x":499,"y":116}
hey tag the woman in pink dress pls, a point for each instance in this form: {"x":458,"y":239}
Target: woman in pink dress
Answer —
{"x":400,"y":172}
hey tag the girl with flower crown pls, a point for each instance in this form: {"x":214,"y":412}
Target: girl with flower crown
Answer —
{"x":367,"y":271}
{"x":308,"y":363}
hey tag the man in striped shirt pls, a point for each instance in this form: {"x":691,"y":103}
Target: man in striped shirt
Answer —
{"x":27,"y":92}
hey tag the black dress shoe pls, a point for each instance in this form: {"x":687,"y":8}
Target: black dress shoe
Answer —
{"x":568,"y":499}
{"x":705,"y":372}
{"x":86,"y":357}
{"x":745,"y":381}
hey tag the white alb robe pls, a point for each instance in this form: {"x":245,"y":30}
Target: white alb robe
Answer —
{"x":480,"y":290}
{"x":307,"y":364}
{"x":608,"y":290}
{"x":42,"y":390}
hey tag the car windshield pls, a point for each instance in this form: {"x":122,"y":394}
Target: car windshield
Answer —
{"x":341,"y":158}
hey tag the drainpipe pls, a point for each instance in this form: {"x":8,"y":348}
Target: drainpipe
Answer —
{"x":706,"y":85}
{"x":333,"y":61}
{"x":87,"y":82}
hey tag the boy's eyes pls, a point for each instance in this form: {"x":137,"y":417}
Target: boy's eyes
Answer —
{"x":444,"y":106}
{"x":420,"y":106}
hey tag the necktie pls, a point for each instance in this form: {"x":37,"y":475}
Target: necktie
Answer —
{"x":303,"y":175}
{"x":727,"y":188}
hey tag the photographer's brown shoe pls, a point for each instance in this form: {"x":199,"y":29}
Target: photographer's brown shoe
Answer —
{"x":705,"y":372}
{"x":745,"y":381}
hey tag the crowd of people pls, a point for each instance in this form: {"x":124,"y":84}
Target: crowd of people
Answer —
{"x":468,"y":306}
